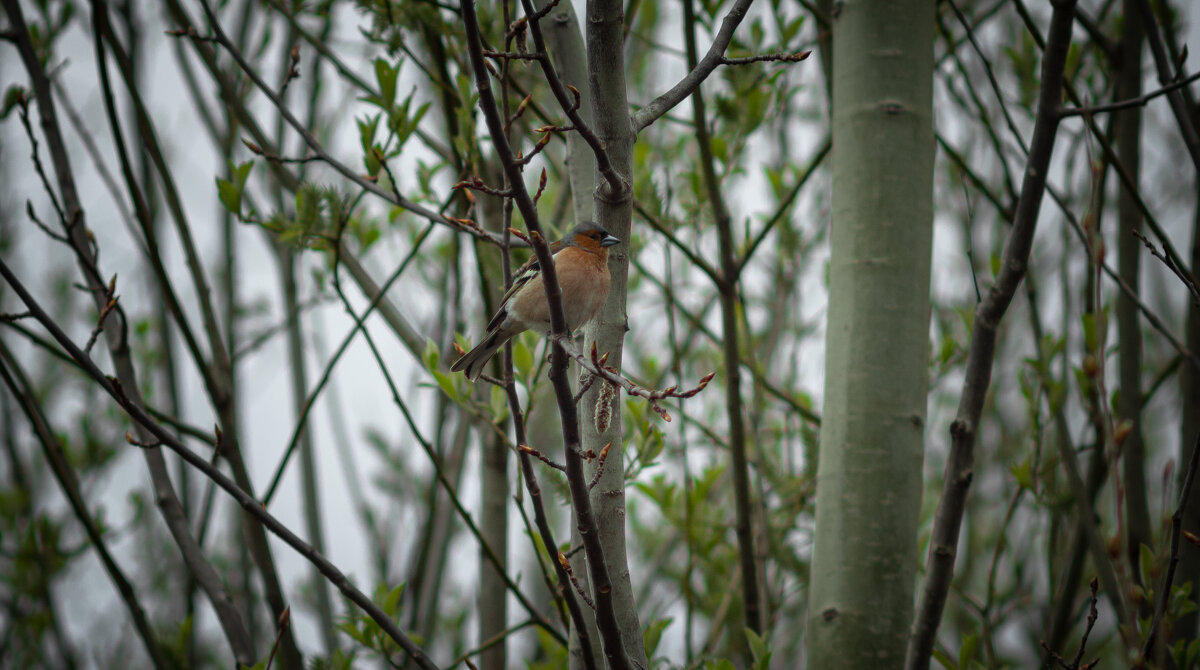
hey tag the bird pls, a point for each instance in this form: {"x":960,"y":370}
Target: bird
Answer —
{"x":581,"y":263}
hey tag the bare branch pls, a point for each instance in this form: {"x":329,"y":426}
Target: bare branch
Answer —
{"x":768,"y":58}
{"x":680,"y":91}
{"x":1139,"y":101}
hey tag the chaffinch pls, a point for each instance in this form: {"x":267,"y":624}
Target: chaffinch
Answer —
{"x":581,"y":262}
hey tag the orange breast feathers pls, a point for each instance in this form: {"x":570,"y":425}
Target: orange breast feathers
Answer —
{"x":583,"y":278}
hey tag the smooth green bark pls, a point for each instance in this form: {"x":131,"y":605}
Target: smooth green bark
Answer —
{"x":877,"y":344}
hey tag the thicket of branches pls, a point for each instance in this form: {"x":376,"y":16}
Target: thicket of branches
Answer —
{"x":243,"y":241}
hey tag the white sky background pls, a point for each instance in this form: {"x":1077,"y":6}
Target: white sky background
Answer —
{"x":358,"y":389}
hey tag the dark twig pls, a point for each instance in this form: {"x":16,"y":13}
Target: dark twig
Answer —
{"x":510,"y":55}
{"x":586,"y":379}
{"x":284,"y":160}
{"x":782,"y":209}
{"x":684,"y":248}
{"x":603,"y":458}
{"x":476,"y":184}
{"x":1091,"y":623}
{"x":726,"y":281}
{"x":1139,"y":101}
{"x":86,"y":253}
{"x":34,"y":154}
{"x":594,"y":364}
{"x":38,"y":222}
{"x":293,"y":71}
{"x":526,"y":449}
{"x":302,"y":420}
{"x":566,"y":564}
{"x":284,"y":622}
{"x":496,"y":639}
{"x":110,"y":302}
{"x":1166,"y":260}
{"x":439,"y":472}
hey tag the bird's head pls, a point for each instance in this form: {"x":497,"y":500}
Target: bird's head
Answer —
{"x":590,"y":236}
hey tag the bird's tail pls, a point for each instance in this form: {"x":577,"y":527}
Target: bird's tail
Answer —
{"x":473,"y":361}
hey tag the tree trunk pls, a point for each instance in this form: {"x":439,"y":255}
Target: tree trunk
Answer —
{"x":877,"y":344}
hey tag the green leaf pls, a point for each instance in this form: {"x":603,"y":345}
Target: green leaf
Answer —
{"x":522,"y":357}
{"x":446,"y":384}
{"x":432,"y":355}
{"x":653,"y":445}
{"x":758,"y":648}
{"x":1145,"y":563}
{"x":391,"y":602}
{"x":967,"y":651}
{"x":653,"y":635}
{"x":240,"y":173}
{"x":230,"y":195}
{"x":369,"y":237}
{"x":373,"y":160}
{"x":720,"y":149}
{"x":498,"y":404}
{"x":366,"y":131}
{"x":385,"y":74}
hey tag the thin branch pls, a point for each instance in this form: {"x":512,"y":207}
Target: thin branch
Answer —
{"x":488,"y":552}
{"x":768,"y":58}
{"x":786,"y":203}
{"x":1183,"y":277}
{"x":682,"y":246}
{"x":686,"y":86}
{"x":1163,"y":594}
{"x":1139,"y":101}
{"x":359,"y":321}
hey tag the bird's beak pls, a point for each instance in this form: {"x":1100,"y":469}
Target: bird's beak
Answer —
{"x":609,"y":240}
